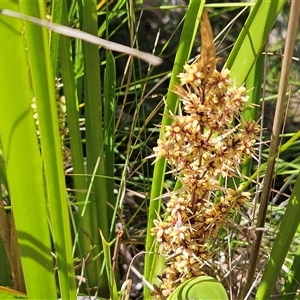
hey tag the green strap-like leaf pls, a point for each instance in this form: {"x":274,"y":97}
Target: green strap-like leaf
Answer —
{"x":252,"y":38}
{"x":23,"y":161}
{"x":44,"y":90}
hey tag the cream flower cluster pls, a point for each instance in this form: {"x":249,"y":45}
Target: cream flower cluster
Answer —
{"x":201,"y":146}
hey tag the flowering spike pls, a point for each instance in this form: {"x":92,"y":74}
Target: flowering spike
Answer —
{"x":201,"y":146}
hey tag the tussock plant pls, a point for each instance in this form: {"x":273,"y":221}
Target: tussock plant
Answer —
{"x":207,"y":142}
{"x":80,"y":207}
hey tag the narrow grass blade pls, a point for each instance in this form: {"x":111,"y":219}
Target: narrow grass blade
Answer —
{"x":96,"y":215}
{"x":154,"y":60}
{"x":82,"y":242}
{"x":70,"y":91}
{"x":56,"y":11}
{"x":108,"y":265}
{"x":109,"y":125}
